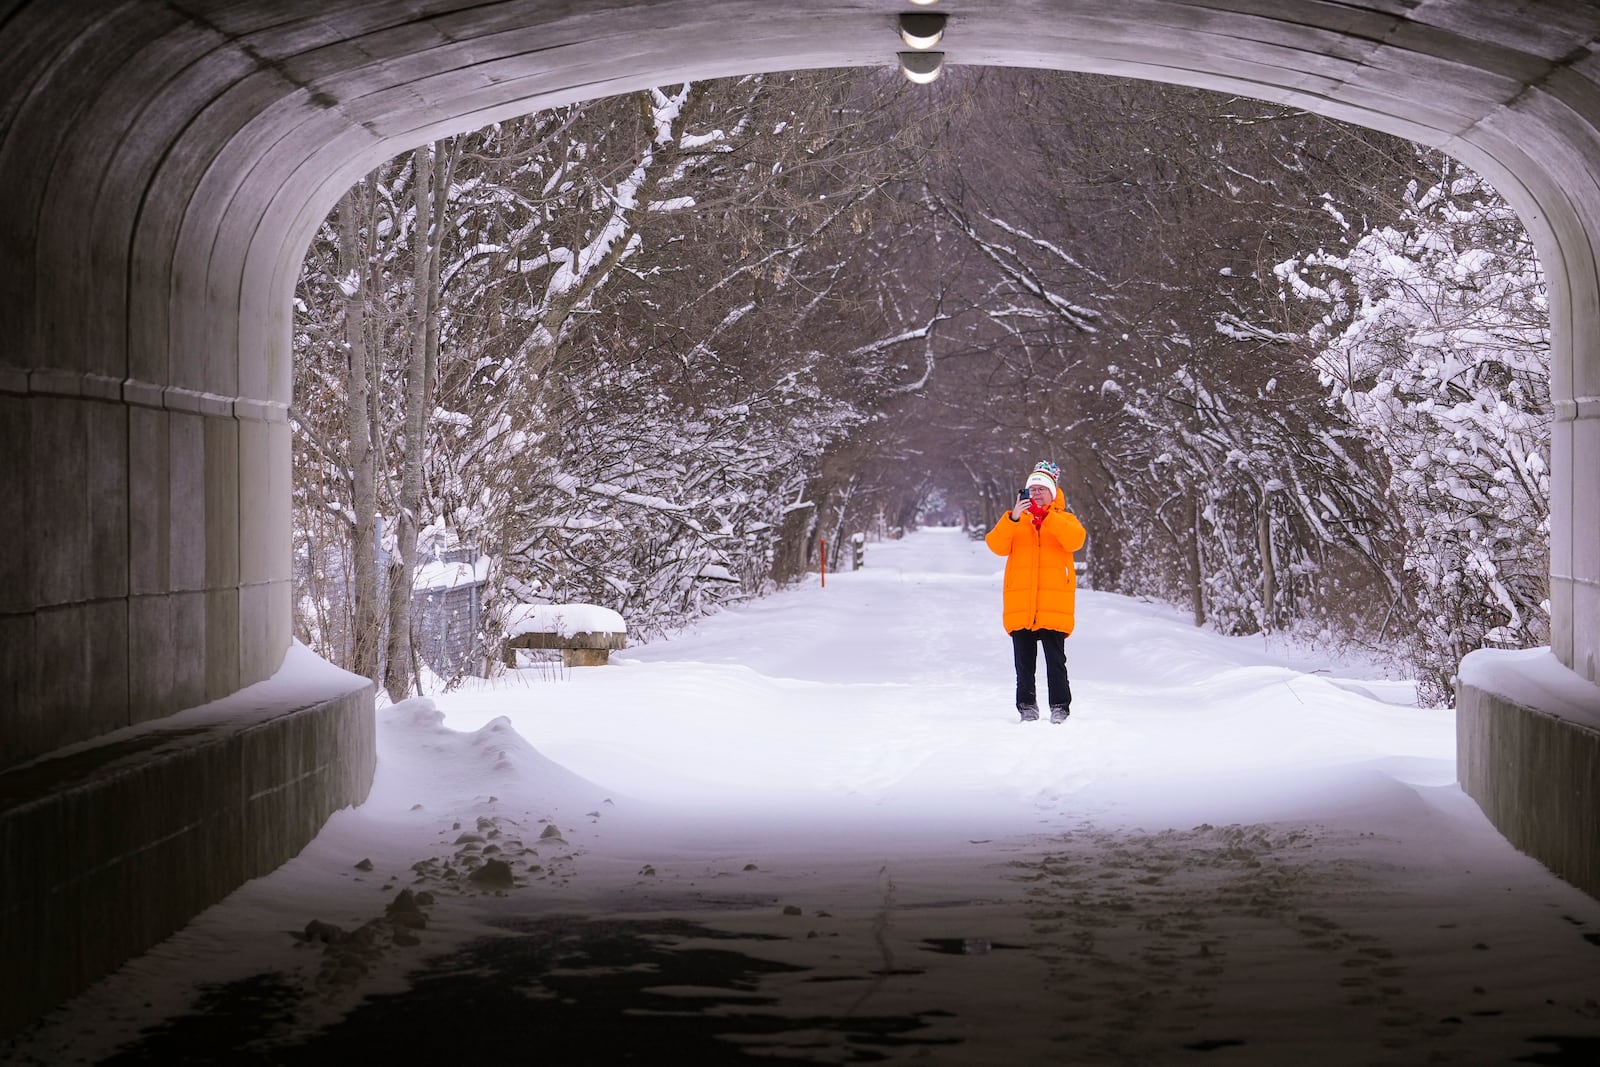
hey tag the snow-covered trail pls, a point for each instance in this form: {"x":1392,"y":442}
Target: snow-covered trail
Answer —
{"x":813,"y":827}
{"x":892,"y":687}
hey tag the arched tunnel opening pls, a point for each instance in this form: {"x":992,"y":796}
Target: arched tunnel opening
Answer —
{"x":765,"y":315}
{"x":162,"y":408}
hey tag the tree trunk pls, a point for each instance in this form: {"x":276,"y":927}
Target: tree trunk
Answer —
{"x":1197,"y":593}
{"x":365,"y":618}
{"x":792,"y":550}
{"x":398,"y":672}
{"x":1269,"y":577}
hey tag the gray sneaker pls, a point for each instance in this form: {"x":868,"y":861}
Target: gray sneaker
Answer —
{"x":1059,"y":713}
{"x":1029,"y":712}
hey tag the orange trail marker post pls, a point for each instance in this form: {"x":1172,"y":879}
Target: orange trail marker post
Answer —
{"x":824,"y":541}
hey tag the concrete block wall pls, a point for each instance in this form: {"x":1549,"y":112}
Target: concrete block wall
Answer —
{"x":1536,"y":775}
{"x":63,"y":603}
{"x":111,"y":847}
{"x":147,"y":565}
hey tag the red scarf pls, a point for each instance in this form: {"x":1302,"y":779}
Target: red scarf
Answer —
{"x":1038,"y":513}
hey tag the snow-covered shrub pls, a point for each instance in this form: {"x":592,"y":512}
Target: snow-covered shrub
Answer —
{"x":1434,"y":339}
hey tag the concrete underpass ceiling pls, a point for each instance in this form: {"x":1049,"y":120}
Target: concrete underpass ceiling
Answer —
{"x":266,"y":110}
{"x":394,"y":74}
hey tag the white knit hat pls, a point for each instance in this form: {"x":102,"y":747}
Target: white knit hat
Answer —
{"x":1041,"y":478}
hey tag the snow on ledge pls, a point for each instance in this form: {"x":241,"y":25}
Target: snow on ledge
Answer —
{"x":563,"y":620}
{"x":304,"y":679}
{"x":1534,"y":678}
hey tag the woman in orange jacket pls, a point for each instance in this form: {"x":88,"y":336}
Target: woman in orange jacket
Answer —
{"x":1038,"y":537}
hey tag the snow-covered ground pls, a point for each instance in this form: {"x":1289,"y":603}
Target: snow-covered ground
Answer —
{"x":812,"y":827}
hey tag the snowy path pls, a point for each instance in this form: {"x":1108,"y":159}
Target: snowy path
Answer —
{"x":813,"y":827}
{"x":893,"y":686}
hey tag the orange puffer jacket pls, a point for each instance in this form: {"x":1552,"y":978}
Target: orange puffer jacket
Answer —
{"x":1041,"y":586}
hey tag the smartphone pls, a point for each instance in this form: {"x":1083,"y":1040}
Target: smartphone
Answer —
{"x":1022,"y":494}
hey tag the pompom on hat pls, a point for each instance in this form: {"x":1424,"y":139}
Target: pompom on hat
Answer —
{"x":1046,"y":474}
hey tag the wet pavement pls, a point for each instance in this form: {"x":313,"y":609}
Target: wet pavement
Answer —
{"x":570,"y":989}
{"x":1234,"y":945}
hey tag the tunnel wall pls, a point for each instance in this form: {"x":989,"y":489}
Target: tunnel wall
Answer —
{"x":112,"y":846}
{"x":1528,"y":752}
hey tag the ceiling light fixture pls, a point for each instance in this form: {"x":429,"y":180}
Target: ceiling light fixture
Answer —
{"x":921,"y":30}
{"x":921,"y":67}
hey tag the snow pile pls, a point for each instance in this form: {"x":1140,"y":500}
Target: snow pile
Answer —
{"x":423,"y":761}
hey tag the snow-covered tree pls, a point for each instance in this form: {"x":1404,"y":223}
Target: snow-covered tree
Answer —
{"x":1112,"y":246}
{"x":1433,"y":336}
{"x":622,"y":336}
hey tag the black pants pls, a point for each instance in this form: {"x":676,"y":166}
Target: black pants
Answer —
{"x":1025,"y":650}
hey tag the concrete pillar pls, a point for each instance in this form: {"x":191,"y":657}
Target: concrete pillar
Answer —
{"x":1528,"y":728}
{"x":145,"y":581}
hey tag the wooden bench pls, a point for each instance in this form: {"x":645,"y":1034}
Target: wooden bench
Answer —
{"x":578,"y":650}
{"x":584,"y":634}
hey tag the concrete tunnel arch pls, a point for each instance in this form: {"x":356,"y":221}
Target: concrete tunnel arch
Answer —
{"x":164,"y":168}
